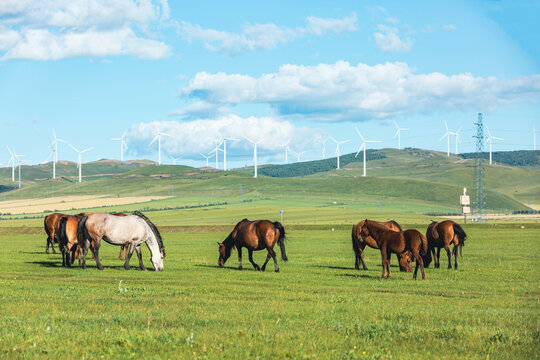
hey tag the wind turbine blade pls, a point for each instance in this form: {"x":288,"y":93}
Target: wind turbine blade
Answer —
{"x":360,"y":149}
{"x":359,"y":134}
{"x":85,"y":150}
{"x":404,"y":129}
{"x":457,"y":132}
{"x":125,"y":143}
{"x":54,"y":134}
{"x":373,"y":141}
{"x":445,"y":135}
{"x":489,"y":133}
{"x":497,"y":138}
{"x":154,"y":139}
{"x":116,"y":139}
{"x":446,"y":126}
{"x":397,"y":132}
{"x":344,"y":141}
{"x":395,"y":123}
{"x":73,"y":147}
{"x":488,"y":139}
{"x":334,"y":140}
{"x":124,"y":134}
{"x":10,"y":152}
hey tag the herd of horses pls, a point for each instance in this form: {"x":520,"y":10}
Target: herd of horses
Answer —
{"x":75,"y":234}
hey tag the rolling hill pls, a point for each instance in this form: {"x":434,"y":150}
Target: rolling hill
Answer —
{"x":410,"y":179}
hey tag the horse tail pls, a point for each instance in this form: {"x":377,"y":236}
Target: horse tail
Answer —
{"x":424,"y":249}
{"x":281,"y":239}
{"x":82,"y":232}
{"x":458,"y":230}
{"x":355,"y":247}
{"x":154,"y":230}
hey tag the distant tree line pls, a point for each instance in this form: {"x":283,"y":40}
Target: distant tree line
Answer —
{"x":512,"y":158}
{"x":316,"y":166}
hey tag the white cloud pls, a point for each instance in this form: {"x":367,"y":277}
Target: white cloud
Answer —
{"x":388,"y":40}
{"x":59,"y":29}
{"x":199,"y":136}
{"x":392,"y":20}
{"x":263,"y":36}
{"x":449,"y":27}
{"x":201,"y":110}
{"x":340,"y":91}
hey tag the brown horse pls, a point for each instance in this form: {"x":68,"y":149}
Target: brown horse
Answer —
{"x":398,"y":242}
{"x":254,"y":235}
{"x":441,"y":235}
{"x":66,"y":236}
{"x":49,"y":224}
{"x":359,"y":243}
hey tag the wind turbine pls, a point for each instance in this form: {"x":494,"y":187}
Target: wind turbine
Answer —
{"x":12,"y":162}
{"x":337,"y":148}
{"x":364,"y":142}
{"x":323,"y":142}
{"x":20,"y":163}
{"x":398,"y":134}
{"x":122,"y":144}
{"x":490,"y":137}
{"x":255,"y":143}
{"x":174,"y":159}
{"x":447,"y":134}
{"x":299,"y":154}
{"x":206,"y":157}
{"x":158,"y":138}
{"x":457,"y":137}
{"x":216,"y":151}
{"x":79,"y":163}
{"x":224,"y":140}
{"x":54,"y":144}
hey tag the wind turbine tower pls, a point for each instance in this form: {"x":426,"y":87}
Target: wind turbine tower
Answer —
{"x":122,"y":144}
{"x":490,"y":137}
{"x":224,"y":139}
{"x":364,"y":142}
{"x":79,"y":163}
{"x":158,"y":138}
{"x":398,"y":134}
{"x":337,"y":148}
{"x":255,"y":143}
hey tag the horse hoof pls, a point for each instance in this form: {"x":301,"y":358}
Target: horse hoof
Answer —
{"x":125,"y":267}
{"x":277,"y":270}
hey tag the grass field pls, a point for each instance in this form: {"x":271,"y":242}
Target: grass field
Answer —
{"x":317,"y":307}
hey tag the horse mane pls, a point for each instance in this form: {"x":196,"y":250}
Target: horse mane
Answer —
{"x":154,"y":230}
{"x":396,"y":224}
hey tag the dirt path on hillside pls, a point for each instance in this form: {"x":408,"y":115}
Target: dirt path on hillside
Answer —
{"x":29,"y":206}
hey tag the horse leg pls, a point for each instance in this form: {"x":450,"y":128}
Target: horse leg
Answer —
{"x":121,"y":252}
{"x":362,"y":247}
{"x":95,"y":251}
{"x":276,"y":267}
{"x":438,"y":257}
{"x":250,"y":252}
{"x":268,"y":256}
{"x":128,"y":257}
{"x":239,"y":257}
{"x":455,"y":256}
{"x":85,"y":245}
{"x":419,"y":262}
{"x":139,"y":255}
{"x":384,"y":257}
{"x":447,"y":248}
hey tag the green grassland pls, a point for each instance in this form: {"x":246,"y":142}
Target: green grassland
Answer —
{"x":317,"y":307}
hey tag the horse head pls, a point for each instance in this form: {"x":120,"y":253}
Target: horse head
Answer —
{"x":224,"y":254}
{"x":405,"y":261}
{"x":157,"y":259}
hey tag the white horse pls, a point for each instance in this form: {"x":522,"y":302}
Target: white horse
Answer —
{"x":121,"y":230}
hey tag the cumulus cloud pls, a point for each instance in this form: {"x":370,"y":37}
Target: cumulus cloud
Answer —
{"x":59,"y":29}
{"x":449,"y":27}
{"x":388,"y":40}
{"x":199,"y":136}
{"x":201,"y":110}
{"x":341,"y":91}
{"x":262,"y":36}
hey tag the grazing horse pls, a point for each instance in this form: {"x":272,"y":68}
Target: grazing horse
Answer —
{"x":442,"y":234}
{"x":66,"y":236}
{"x":121,"y":230}
{"x":398,"y":242}
{"x":122,"y":247}
{"x":50,"y":228}
{"x":359,"y":243}
{"x":254,"y":235}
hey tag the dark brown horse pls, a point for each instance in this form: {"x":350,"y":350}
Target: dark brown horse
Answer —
{"x":49,"y":223}
{"x":254,"y":235}
{"x":359,"y":243}
{"x":397,"y":242}
{"x":441,"y":235}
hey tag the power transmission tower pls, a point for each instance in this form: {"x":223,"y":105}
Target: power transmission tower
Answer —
{"x":479,"y":173}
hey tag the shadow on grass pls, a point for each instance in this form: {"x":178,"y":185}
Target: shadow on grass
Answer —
{"x":360,"y":276}
{"x":58,"y":264}
{"x":250,"y":268}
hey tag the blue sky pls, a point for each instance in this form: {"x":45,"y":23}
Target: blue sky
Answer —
{"x":274,"y":72}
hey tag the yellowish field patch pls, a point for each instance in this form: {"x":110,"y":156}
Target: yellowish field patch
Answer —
{"x":28,"y":206}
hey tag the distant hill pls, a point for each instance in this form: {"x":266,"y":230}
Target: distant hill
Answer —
{"x":512,"y":158}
